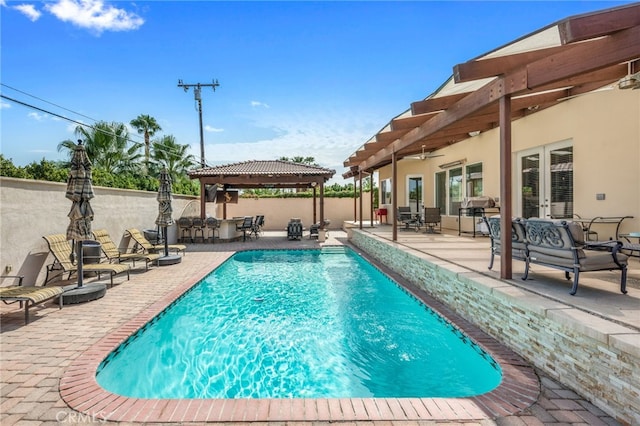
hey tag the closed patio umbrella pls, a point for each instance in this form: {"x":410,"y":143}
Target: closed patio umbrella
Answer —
{"x":164,"y":218}
{"x":80,"y":192}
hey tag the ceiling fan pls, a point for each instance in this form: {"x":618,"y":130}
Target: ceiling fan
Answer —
{"x":424,"y":155}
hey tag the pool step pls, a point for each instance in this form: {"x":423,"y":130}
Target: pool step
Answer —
{"x":333,"y":250}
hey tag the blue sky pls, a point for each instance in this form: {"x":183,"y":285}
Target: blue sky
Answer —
{"x":296,"y":78}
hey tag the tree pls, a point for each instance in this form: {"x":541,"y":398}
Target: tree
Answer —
{"x":299,"y":159}
{"x":107,"y":146}
{"x":167,"y":153}
{"x":147,"y":126}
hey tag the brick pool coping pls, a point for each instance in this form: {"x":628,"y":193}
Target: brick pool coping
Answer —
{"x":518,"y":390}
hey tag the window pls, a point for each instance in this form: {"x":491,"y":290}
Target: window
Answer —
{"x":455,"y":190}
{"x":385,"y":191}
{"x":452,"y":186}
{"x":441,"y":191}
{"x":474,"y":180}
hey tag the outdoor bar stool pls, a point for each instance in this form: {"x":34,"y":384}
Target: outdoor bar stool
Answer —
{"x":184,"y":223}
{"x":211,"y":223}
{"x":197,"y":225}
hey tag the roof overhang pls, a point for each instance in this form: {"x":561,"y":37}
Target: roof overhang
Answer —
{"x":577,"y":55}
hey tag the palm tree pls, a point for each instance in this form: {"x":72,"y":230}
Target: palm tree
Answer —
{"x":107,"y":146}
{"x":148,"y":126}
{"x":167,"y":153}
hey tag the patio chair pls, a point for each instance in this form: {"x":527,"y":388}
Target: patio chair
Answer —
{"x":212,"y":224}
{"x":245,"y":226}
{"x":256,"y":228}
{"x":142,"y":245}
{"x":63,"y":262}
{"x":112,"y":253}
{"x":28,"y":295}
{"x":408,"y":219}
{"x":432,"y":218}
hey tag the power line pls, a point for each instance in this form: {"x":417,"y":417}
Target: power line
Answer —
{"x":97,"y":129}
{"x":46,"y":101}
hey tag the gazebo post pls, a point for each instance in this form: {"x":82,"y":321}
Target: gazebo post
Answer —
{"x":313,"y":185}
{"x":322,"y":206}
{"x":203,"y":201}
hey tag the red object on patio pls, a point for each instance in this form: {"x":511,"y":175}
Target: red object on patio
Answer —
{"x":380,"y":213}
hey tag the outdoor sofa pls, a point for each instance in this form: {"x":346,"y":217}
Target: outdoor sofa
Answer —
{"x":559,"y":244}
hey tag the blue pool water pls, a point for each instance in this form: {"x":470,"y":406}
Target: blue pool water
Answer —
{"x":298,"y":324}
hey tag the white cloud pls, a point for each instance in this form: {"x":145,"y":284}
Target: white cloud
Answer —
{"x":4,"y":105}
{"x":3,"y":3}
{"x":95,"y":15}
{"x":36,"y":116}
{"x":29,"y":11}
{"x":212,"y":129}
{"x":328,"y":136}
{"x":259,"y":104}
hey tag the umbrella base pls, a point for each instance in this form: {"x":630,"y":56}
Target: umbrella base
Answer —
{"x":83,"y":294}
{"x":171,"y":259}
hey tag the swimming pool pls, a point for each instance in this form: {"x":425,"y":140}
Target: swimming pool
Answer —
{"x":325,"y":324}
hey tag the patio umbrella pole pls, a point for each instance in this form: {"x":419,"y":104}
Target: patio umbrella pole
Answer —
{"x":166,"y":241}
{"x":80,"y":261}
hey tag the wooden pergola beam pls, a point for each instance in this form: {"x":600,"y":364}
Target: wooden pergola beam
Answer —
{"x":598,"y":24}
{"x":546,"y":73}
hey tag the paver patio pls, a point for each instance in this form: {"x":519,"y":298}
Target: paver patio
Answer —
{"x":35,"y":357}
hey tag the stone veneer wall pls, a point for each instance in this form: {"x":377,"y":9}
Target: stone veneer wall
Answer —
{"x":597,"y":358}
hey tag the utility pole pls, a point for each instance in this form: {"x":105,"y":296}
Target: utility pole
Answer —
{"x":197,"y":95}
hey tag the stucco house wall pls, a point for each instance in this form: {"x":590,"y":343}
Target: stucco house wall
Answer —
{"x":604,"y":128}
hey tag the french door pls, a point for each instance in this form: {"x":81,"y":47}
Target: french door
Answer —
{"x":545,"y":181}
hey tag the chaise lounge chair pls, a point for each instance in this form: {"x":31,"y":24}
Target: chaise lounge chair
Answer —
{"x":144,"y":246}
{"x":113,"y":254}
{"x":29,"y":295}
{"x":61,"y":250}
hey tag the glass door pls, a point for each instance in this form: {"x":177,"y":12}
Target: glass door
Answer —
{"x":545,"y":187}
{"x":415,"y":194}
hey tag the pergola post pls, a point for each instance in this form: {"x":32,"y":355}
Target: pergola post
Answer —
{"x":360,"y":192}
{"x":394,"y":196}
{"x":355,"y":200}
{"x":505,"y":187}
{"x":371,"y":197}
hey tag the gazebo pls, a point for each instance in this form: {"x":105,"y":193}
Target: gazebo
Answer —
{"x":262,"y":174}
